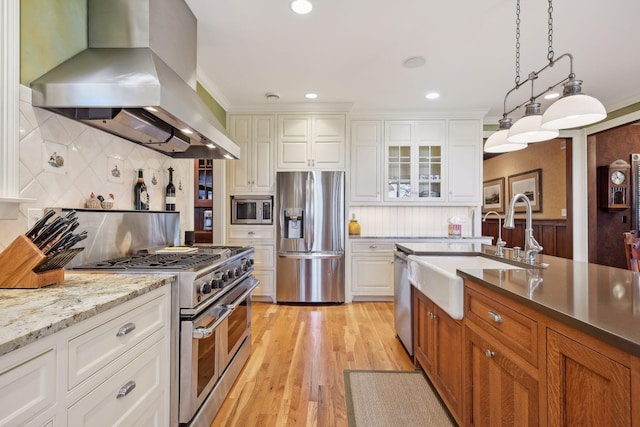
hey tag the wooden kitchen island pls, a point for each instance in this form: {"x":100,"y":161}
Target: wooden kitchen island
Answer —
{"x":555,"y":346}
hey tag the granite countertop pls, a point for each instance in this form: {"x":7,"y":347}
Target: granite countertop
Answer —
{"x":32,"y":314}
{"x":601,"y":301}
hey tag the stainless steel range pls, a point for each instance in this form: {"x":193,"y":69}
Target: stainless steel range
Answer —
{"x":211,"y":312}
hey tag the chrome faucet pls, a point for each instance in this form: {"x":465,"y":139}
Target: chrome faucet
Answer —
{"x":531,"y":246}
{"x":499,"y":243}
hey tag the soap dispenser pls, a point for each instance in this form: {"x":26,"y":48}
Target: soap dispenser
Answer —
{"x":354,"y":227}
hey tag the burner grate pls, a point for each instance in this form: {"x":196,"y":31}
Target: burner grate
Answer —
{"x":152,"y":261}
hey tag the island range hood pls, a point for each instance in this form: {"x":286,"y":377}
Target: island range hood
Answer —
{"x":136,"y":78}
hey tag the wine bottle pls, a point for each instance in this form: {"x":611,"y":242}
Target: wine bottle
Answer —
{"x":140,"y":195}
{"x":170,"y":193}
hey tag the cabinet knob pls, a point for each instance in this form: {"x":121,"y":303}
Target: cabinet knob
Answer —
{"x":431,"y":315}
{"x":490,"y":354}
{"x":494,"y":316}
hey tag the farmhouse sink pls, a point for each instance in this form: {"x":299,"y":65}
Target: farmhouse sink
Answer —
{"x":435,"y":276}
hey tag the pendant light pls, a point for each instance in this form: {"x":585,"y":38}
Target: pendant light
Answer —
{"x":574,"y":109}
{"x":497,"y":142}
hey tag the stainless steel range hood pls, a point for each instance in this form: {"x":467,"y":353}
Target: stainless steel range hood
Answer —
{"x":132,"y":81}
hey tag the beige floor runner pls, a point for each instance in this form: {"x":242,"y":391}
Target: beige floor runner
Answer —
{"x":392,"y":398}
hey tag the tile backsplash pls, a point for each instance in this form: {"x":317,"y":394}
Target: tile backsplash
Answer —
{"x":410,"y":221}
{"x":63,"y":161}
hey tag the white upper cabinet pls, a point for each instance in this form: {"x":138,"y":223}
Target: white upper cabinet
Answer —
{"x":314,"y":141}
{"x":414,"y":159}
{"x":254,"y":172}
{"x":465,"y":161}
{"x":366,"y":161}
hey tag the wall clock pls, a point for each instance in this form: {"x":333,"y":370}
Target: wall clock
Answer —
{"x":614,"y":185}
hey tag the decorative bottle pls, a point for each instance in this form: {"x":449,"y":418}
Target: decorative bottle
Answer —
{"x":170,"y":193}
{"x":354,"y":227}
{"x":140,"y":195}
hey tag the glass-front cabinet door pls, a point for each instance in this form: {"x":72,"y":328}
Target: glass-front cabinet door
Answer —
{"x":414,"y":160}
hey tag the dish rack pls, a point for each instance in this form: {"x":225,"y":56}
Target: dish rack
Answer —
{"x":23,"y":265}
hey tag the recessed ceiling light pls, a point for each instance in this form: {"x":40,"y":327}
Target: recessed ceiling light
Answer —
{"x":271,"y":96}
{"x":153,"y":110}
{"x":210,"y":145}
{"x":301,"y":7}
{"x":552,"y":95}
{"x":432,"y":95}
{"x":186,"y":131}
{"x":414,"y":62}
{"x":228,"y":156}
{"x":311,"y":95}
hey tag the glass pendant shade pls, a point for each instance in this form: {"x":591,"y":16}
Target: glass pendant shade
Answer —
{"x":528,"y":130}
{"x":573,"y":111}
{"x":497,"y":143}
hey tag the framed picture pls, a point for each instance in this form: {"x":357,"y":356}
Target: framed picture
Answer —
{"x":530,"y":184}
{"x":493,"y":195}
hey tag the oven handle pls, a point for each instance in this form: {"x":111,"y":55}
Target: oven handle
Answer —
{"x":255,"y":282}
{"x":201,"y":333}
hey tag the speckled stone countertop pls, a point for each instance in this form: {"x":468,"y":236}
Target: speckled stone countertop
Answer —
{"x":601,"y":301}
{"x":32,"y":314}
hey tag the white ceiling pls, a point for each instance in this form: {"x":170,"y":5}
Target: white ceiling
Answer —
{"x":351,"y":51}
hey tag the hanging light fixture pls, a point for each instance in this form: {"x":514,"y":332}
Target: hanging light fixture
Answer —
{"x":497,"y":142}
{"x":574,"y":109}
{"x":527,"y":129}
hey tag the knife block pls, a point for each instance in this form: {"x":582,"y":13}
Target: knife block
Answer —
{"x":17,"y":263}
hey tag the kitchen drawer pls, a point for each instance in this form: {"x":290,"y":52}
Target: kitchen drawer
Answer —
{"x":251,"y":233}
{"x":28,"y":389}
{"x":263,"y":256}
{"x":102,"y":406}
{"x":514,"y":330}
{"x":98,"y":347}
{"x":372,"y":247}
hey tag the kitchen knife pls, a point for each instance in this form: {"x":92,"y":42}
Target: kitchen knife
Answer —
{"x":51,"y":234}
{"x":33,"y":231}
{"x":46,"y":230}
{"x":74,"y":239}
{"x":63,"y":237}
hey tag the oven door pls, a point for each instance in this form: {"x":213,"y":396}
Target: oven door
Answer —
{"x":200,"y":364}
{"x":238,"y":320}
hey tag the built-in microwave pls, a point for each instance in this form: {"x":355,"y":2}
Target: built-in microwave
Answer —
{"x":251,"y":209}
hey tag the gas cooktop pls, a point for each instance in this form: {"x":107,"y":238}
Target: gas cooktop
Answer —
{"x":153,"y":261}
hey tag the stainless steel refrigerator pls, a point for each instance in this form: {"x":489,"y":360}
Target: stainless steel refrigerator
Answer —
{"x":310,"y":227}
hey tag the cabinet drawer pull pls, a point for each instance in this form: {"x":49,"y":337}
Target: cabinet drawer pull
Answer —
{"x":490,"y":354}
{"x":494,"y":316}
{"x":251,"y":233}
{"x":126,"y":389}
{"x":373,"y":246}
{"x":124,"y":330}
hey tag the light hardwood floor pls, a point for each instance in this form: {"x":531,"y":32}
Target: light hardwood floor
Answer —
{"x":294,"y":376}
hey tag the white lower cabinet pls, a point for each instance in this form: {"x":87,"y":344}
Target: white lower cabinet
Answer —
{"x":28,"y":387}
{"x":73,"y":377}
{"x":127,"y":395}
{"x":262,"y":238}
{"x":371,"y":269}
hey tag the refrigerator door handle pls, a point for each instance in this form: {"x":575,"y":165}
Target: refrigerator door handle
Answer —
{"x":310,"y":221}
{"x":311,"y":255}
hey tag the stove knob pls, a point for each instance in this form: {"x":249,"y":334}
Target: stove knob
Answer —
{"x":236,"y":272}
{"x":216,"y":282}
{"x":231,"y":274}
{"x":251,"y":261}
{"x":205,"y":288}
{"x":245,"y":266}
{"x":224,"y":277}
